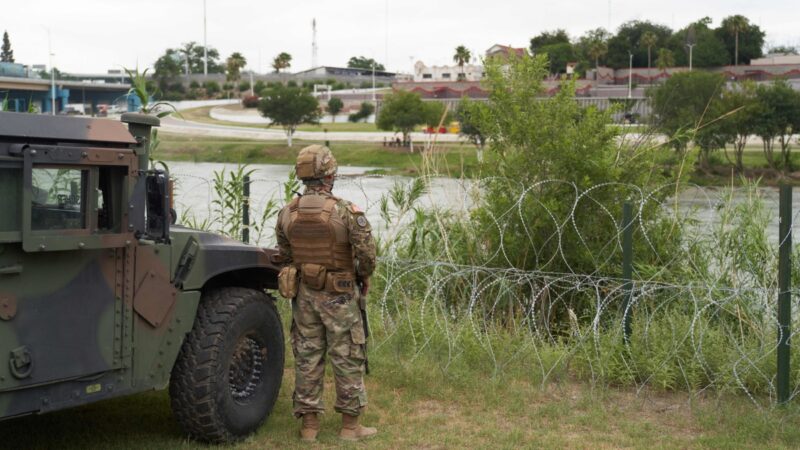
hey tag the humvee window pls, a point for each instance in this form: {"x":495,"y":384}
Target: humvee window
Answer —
{"x":58,"y":199}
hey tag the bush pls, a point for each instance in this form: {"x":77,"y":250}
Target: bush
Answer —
{"x":244,"y":86}
{"x":212,"y":88}
{"x":259,"y":86}
{"x":227,"y":87}
{"x":194,"y":84}
{"x":363,"y":113}
{"x":250,"y":101}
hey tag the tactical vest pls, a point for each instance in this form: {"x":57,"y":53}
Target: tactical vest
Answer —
{"x":317,"y":234}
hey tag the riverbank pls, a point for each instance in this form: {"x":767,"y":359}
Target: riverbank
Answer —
{"x":449,"y":159}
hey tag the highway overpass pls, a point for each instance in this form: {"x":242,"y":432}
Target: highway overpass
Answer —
{"x":21,"y":92}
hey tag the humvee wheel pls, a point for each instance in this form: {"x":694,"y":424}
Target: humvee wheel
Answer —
{"x":229,"y":370}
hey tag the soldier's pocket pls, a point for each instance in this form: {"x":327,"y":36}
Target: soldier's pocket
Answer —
{"x":358,"y":340}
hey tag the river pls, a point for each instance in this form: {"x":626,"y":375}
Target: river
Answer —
{"x":194,"y":193}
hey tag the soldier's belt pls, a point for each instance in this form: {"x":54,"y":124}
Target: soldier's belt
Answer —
{"x":318,"y":278}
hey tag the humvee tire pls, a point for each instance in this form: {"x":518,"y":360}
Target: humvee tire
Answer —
{"x":229,"y":370}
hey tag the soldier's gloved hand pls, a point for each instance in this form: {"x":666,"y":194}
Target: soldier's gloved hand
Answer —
{"x":365,"y":287}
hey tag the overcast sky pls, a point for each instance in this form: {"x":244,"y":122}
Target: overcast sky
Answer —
{"x":97,"y":35}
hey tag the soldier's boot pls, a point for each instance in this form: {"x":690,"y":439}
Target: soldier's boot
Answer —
{"x":353,"y":431}
{"x":310,"y":427}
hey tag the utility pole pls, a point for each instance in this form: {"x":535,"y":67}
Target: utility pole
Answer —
{"x":52,"y":75}
{"x":630,"y":75}
{"x":314,"y":43}
{"x":373,"y":82}
{"x":205,"y":42}
{"x":252,"y":89}
{"x":691,"y":46}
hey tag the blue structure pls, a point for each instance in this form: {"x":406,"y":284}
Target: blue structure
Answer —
{"x":21,"y":92}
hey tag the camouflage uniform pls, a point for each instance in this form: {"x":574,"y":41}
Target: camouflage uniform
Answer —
{"x":329,"y":322}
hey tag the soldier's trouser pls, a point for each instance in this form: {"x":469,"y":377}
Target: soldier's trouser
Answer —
{"x":327,"y":323}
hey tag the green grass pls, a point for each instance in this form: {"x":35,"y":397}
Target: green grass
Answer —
{"x":416,"y":405}
{"x":452,"y":159}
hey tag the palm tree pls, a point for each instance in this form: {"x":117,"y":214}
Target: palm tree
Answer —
{"x":735,"y":25}
{"x":648,"y":40}
{"x":235,"y":63}
{"x":665,"y":58}
{"x":282,"y":61}
{"x":461,"y":57}
{"x":598,"y":49}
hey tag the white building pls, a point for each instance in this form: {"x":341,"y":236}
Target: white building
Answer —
{"x":472,"y":72}
{"x":776,"y":58}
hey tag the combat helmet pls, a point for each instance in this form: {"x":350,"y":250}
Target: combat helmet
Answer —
{"x":315,"y":162}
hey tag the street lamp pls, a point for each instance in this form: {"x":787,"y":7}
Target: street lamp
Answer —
{"x":630,"y":74}
{"x":252,"y":89}
{"x":52,"y":75}
{"x":205,"y":42}
{"x":691,"y":46}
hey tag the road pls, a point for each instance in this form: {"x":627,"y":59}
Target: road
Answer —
{"x":175,"y":125}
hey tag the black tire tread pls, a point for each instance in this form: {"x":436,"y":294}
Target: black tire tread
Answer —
{"x":192,"y":382}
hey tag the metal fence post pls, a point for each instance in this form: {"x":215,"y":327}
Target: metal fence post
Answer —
{"x":246,"y":210}
{"x":784,"y":294}
{"x":627,"y":267}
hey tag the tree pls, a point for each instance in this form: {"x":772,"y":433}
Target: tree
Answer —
{"x":282,"y":61}
{"x":362,"y":62}
{"x":335,"y":106}
{"x":592,"y":46}
{"x":743,"y":39}
{"x":363,"y":112}
{"x":685,"y":107}
{"x":289,"y":107}
{"x":436,"y":113}
{"x":558,"y":48}
{"x":469,"y":115}
{"x":461,"y":57}
{"x":665,"y":58}
{"x":739,"y":102}
{"x":627,"y":40}
{"x":784,"y":49}
{"x":708,"y":50}
{"x":558,"y":55}
{"x":234,"y":65}
{"x":735,"y":25}
{"x":402,"y":111}
{"x":194,"y":58}
{"x":777,"y":117}
{"x":530,"y":139}
{"x":548,"y":38}
{"x":597,"y":50}
{"x":648,"y":40}
{"x":6,"y":53}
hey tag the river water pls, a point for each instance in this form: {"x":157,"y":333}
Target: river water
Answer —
{"x":194,"y":193}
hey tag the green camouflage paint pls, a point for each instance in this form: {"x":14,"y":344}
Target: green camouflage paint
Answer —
{"x":99,"y":310}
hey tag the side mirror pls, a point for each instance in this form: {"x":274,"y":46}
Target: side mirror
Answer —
{"x":158,"y":211}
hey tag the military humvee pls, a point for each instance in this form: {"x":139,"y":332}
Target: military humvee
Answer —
{"x":101,"y":296}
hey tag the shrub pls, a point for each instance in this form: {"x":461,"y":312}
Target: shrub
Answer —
{"x":212,"y":87}
{"x":363,"y":113}
{"x":194,"y":84}
{"x":244,"y":86}
{"x":250,"y":101}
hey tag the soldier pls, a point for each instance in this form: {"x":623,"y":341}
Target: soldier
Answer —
{"x":329,"y":242}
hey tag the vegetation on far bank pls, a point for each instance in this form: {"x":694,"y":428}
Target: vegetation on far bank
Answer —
{"x":456,"y":159}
